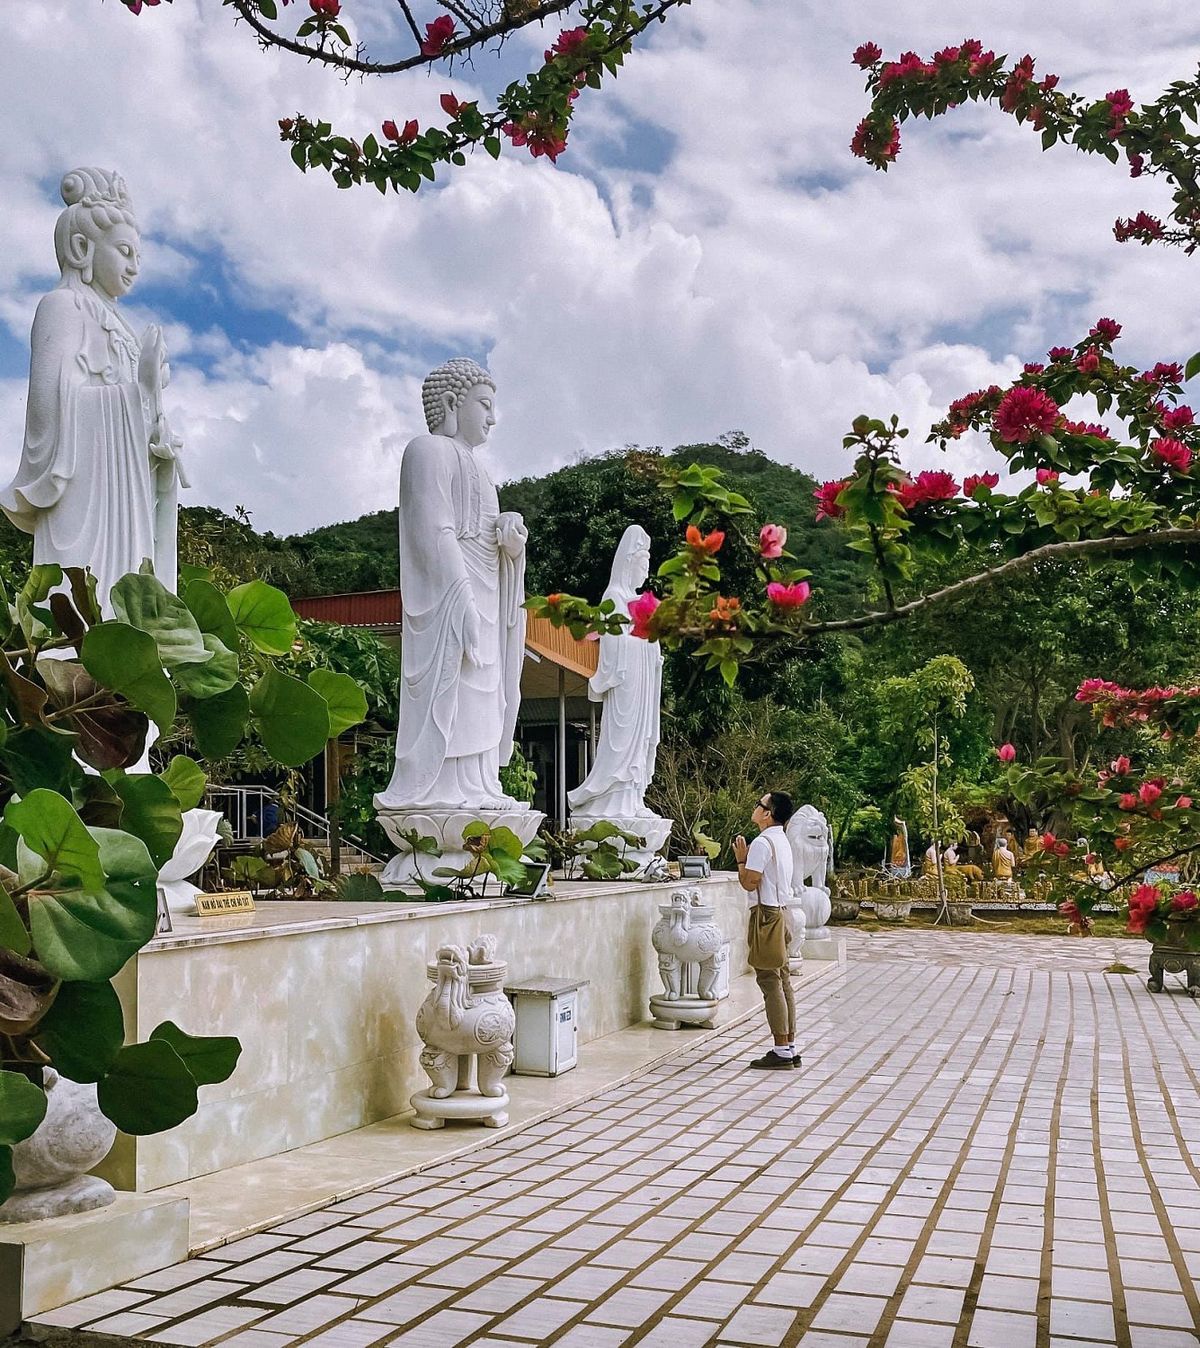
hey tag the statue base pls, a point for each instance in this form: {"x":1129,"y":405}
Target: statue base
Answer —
{"x":651,"y":828}
{"x":462,"y":1106}
{"x":445,"y":827}
{"x":671,"y":1013}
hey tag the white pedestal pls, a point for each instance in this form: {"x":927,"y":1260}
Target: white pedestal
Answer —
{"x":652,"y":829}
{"x":445,"y":827}
{"x":463,"y":1106}
{"x":830,"y":948}
{"x":674,"y":1013}
{"x":57,"y":1260}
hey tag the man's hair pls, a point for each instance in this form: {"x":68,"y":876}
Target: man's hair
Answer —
{"x":782,"y":808}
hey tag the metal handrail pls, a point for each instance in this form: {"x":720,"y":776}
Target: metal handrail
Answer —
{"x":235,"y":803}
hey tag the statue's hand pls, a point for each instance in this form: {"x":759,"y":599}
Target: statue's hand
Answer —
{"x":511,"y":533}
{"x":153,"y":358}
{"x":471,"y":651}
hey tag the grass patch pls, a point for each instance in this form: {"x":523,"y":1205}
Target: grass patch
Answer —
{"x":1118,"y":968}
{"x":1041,"y":924}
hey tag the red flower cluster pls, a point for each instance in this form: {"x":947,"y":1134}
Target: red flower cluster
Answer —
{"x":876,"y":142}
{"x":865,"y":56}
{"x":1051,"y":844}
{"x":1120,"y":105}
{"x":325,"y":9}
{"x":908,"y":66}
{"x":568,"y":41}
{"x":988,"y":480}
{"x":1024,"y":413}
{"x":1006,"y":753}
{"x":1173,"y":454}
{"x":641,"y":611}
{"x":1165,"y":372}
{"x":135,"y":6}
{"x":725,"y":610}
{"x":536,"y":131}
{"x":405,"y":137}
{"x":1176,"y":418}
{"x":961,"y":411}
{"x":438,"y":35}
{"x":450,"y":105}
{"x":1107,"y":329}
{"x":1143,"y":227}
{"x":1084,"y":428}
{"x":1046,"y":477}
{"x":1061,"y":352}
{"x":710,"y":543}
{"x":1089,"y":362}
{"x":1143,"y":904}
{"x":826,"y":495}
{"x":926,"y":487}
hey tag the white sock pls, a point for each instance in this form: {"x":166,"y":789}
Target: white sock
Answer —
{"x":781,"y":1050}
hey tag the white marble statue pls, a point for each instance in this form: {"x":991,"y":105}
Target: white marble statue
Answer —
{"x":100,"y":470}
{"x":811,"y":840}
{"x":628,"y":684}
{"x":462,"y":585}
{"x":693,"y":962}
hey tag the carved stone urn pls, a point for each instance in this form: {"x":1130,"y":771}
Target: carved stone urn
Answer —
{"x":693,"y":958}
{"x":466,"y":1024}
{"x":51,"y":1166}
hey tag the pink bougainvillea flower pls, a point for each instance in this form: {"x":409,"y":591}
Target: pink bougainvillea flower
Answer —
{"x":641,"y":611}
{"x":1184,"y":803}
{"x":1149,"y":792}
{"x":725,"y":610}
{"x":789,"y":596}
{"x":865,"y":56}
{"x":1128,"y":801}
{"x":568,"y":41}
{"x":1085,"y":428}
{"x":710,"y":543}
{"x":1176,"y":418}
{"x":438,"y":35}
{"x":1107,"y":329}
{"x":771,"y":541}
{"x":1185,"y":901}
{"x":1120,"y":765}
{"x":1023,"y":414}
{"x":988,"y":480}
{"x":1089,"y":362}
{"x":1006,"y":753}
{"x":1173,"y":453}
{"x":926,"y":487}
{"x":327,"y":9}
{"x":450,"y":105}
{"x":1046,"y":477}
{"x":826,"y":495}
{"x":1142,"y":226}
{"x":1060,"y":353}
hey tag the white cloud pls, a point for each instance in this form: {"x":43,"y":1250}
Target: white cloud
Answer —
{"x":759,"y":278}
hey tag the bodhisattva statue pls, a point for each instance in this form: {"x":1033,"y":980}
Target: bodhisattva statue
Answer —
{"x":462,"y":587}
{"x":628,"y":684}
{"x":100,"y":469}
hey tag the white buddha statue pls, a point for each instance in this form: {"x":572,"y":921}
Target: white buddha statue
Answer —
{"x":100,"y":471}
{"x":462,"y":586}
{"x":628,"y":684}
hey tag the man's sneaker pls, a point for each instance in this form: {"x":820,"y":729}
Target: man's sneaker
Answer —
{"x":795,"y":1060}
{"x":773,"y":1062}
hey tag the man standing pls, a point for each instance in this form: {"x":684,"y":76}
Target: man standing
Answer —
{"x":765,"y":872}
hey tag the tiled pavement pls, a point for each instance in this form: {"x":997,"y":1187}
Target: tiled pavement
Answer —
{"x":990,"y":1145}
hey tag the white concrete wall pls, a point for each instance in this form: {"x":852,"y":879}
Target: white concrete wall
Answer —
{"x":323,"y":996}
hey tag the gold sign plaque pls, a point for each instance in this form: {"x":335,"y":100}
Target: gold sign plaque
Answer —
{"x":232,"y":901}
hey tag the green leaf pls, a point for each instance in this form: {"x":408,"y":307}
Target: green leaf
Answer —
{"x":148,"y":1089}
{"x":42,"y":579}
{"x":49,"y":826}
{"x":187,"y":781}
{"x":346,"y":700}
{"x":218,"y":723}
{"x":83,"y":1031}
{"x":264,"y":616}
{"x":151,"y":812}
{"x":145,"y":603}
{"x":211,"y":612}
{"x":293,"y":719}
{"x":87,"y":936}
{"x":8,"y":1180}
{"x":1192,"y":368}
{"x":126,"y":660}
{"x":13,"y":933}
{"x":22,"y":1107}
{"x":214,"y":676}
{"x":39,"y":757}
{"x":208,"y":1058}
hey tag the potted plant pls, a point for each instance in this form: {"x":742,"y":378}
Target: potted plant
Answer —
{"x":1172,"y":922}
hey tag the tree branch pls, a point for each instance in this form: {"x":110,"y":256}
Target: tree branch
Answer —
{"x":1082,"y":547}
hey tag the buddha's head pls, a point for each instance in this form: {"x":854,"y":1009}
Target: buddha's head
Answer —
{"x":96,"y":237}
{"x":459,"y":399}
{"x":631,"y":564}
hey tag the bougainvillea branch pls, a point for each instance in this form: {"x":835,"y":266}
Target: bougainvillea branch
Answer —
{"x":532,"y":113}
{"x":1156,"y":139}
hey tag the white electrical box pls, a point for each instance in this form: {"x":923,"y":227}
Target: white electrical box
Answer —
{"x":547,"y":1034}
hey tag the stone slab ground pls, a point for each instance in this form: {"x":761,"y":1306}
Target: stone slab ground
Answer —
{"x":991,"y":1144}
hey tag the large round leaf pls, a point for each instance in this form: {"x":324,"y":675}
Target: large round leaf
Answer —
{"x":13,"y":934}
{"x":293,"y":719}
{"x":83,"y":1031}
{"x":144,"y":603}
{"x":148,"y":1089}
{"x":218,"y":723}
{"x":49,"y":826}
{"x":150,"y":812}
{"x":209,"y":1058}
{"x":210,"y":611}
{"x":40,"y":757}
{"x":87,"y":936}
{"x":22,"y":1107}
{"x":187,"y":781}
{"x":126,"y":660}
{"x":264,"y":616}
{"x":111,"y":732}
{"x":346,"y":700}
{"x":217,"y":674}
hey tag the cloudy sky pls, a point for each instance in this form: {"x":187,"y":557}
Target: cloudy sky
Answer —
{"x":706,"y":257}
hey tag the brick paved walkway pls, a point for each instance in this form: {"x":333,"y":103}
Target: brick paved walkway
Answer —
{"x":987,"y":1154}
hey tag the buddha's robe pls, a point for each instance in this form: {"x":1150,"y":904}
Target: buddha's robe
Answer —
{"x":457,"y":718}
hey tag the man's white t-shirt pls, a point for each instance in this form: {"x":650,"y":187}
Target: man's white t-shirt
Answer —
{"x":771,"y":855}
